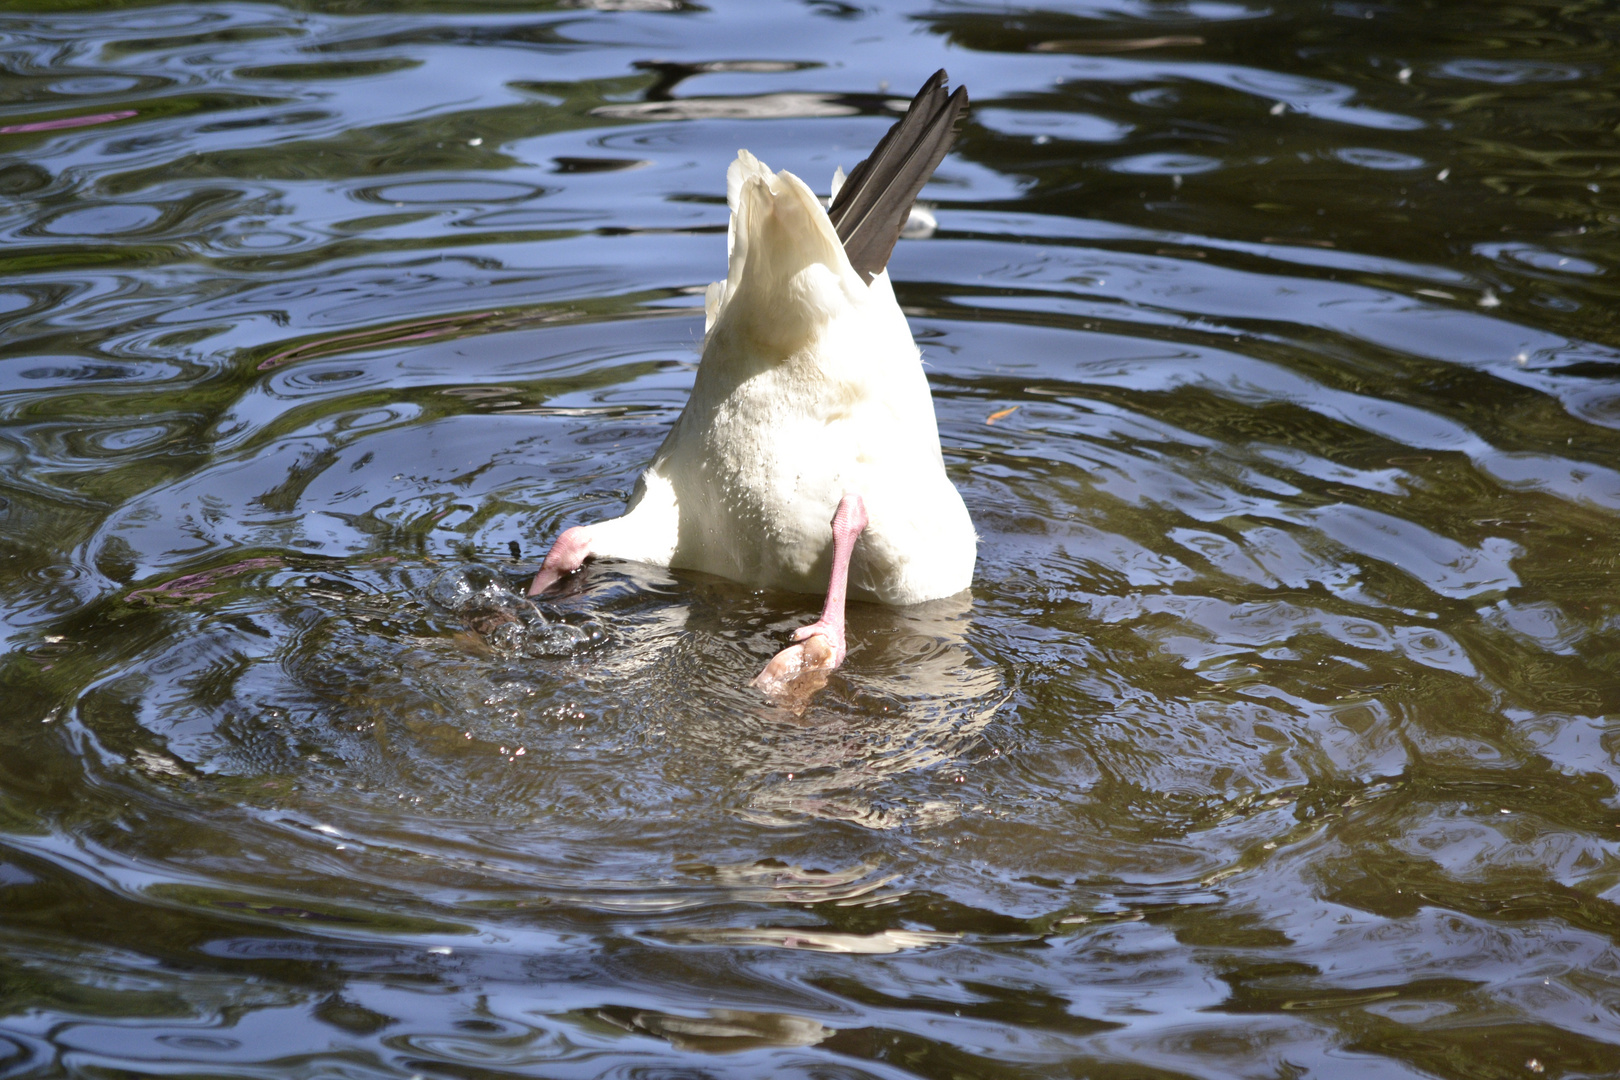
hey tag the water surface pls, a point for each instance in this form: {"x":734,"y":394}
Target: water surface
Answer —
{"x":1273,"y":352}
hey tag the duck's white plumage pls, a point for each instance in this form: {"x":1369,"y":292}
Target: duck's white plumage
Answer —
{"x":807,"y":457}
{"x":810,"y":387}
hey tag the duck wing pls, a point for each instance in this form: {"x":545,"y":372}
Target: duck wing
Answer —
{"x":870,"y":209}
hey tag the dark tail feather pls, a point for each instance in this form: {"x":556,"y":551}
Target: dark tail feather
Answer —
{"x":876,"y":198}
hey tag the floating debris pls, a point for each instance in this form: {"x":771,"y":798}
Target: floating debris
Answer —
{"x":1000,"y":414}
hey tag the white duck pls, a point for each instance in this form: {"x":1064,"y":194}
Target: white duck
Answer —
{"x":810,"y":426}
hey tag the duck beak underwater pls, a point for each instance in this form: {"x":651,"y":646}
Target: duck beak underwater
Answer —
{"x":807,"y":457}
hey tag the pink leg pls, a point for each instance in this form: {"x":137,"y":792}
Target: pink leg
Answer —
{"x":568,"y":554}
{"x":821,"y":646}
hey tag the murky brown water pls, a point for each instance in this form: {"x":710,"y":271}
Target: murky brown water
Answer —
{"x":1279,"y":738}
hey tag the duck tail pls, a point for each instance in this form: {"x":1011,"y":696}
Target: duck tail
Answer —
{"x":871,"y":206}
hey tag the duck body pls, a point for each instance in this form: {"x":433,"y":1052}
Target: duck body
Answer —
{"x":807,"y":457}
{"x":810,"y":388}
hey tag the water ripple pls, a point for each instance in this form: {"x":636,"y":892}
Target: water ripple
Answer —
{"x":1271,"y":353}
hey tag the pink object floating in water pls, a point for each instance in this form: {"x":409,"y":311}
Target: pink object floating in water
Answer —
{"x":67,"y":122}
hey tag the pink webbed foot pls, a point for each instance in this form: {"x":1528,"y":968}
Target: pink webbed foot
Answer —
{"x":801,"y":669}
{"x":568,"y":554}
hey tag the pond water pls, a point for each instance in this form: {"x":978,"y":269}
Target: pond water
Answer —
{"x":1274,"y":352}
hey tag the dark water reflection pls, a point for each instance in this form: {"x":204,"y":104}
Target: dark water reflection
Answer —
{"x":1279,"y":738}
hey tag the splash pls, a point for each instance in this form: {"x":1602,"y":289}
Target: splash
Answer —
{"x":508,"y":622}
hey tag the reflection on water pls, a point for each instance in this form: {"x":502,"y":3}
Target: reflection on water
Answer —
{"x":1272,"y":353}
